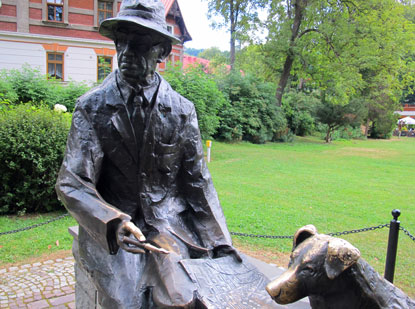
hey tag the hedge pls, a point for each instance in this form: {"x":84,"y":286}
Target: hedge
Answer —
{"x":32,"y":145}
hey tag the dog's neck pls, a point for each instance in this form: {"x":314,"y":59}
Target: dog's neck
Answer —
{"x":360,"y":286}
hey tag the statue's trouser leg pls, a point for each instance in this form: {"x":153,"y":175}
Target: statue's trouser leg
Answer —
{"x":116,"y":277}
{"x":173,"y":287}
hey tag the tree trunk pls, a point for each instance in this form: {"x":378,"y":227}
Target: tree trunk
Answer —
{"x":299,"y":7}
{"x":232,"y":41}
{"x":367,"y":127}
{"x":284,"y":78}
{"x":328,"y":135}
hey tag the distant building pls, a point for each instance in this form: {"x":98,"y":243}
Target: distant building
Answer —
{"x":60,"y":37}
{"x":408,"y":111}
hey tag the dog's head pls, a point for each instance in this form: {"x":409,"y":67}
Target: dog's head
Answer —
{"x":316,"y":260}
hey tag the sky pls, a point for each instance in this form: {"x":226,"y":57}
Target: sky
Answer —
{"x":203,"y":36}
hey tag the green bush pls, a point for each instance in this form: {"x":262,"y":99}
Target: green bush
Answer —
{"x":252,"y":113}
{"x":299,"y":109}
{"x":7,"y":92}
{"x":29,"y":85}
{"x":383,"y":125}
{"x":201,"y":89}
{"x":343,"y":133}
{"x":32,"y":144}
{"x":67,"y":94}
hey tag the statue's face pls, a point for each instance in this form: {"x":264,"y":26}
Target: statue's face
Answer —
{"x":138,"y":52}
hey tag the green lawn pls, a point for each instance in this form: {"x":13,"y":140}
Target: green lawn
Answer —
{"x":19,"y":247}
{"x":274,"y":189}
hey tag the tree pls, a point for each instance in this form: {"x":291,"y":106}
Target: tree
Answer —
{"x":323,"y":41}
{"x":335,"y":115}
{"x":192,"y":51}
{"x":202,"y":90}
{"x":215,"y":55}
{"x":238,"y":16}
{"x":299,"y":108}
{"x":251,"y":113}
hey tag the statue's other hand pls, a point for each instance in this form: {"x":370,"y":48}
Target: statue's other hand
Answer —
{"x":125,"y":229}
{"x":224,"y":250}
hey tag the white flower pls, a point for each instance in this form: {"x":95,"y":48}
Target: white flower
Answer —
{"x":60,"y":108}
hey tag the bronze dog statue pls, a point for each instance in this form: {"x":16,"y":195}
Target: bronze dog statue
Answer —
{"x":331,"y":273}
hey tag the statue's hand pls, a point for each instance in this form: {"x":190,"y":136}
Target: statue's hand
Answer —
{"x":125,"y":229}
{"x":224,"y":250}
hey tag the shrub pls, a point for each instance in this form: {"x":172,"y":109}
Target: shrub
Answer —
{"x":68,"y":94}
{"x":383,"y":125}
{"x":343,"y":133}
{"x":32,"y":144}
{"x":201,"y":89}
{"x":299,"y":109}
{"x":7,"y":92}
{"x":252,"y":113}
{"x":29,"y":85}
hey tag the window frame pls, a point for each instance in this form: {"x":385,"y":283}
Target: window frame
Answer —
{"x":111,"y":65}
{"x":106,"y":11}
{"x":55,"y":5}
{"x":65,"y":15}
{"x":55,"y":62}
{"x":96,"y":13}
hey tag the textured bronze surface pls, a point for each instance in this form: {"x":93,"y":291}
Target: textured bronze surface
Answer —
{"x":331,"y":273}
{"x":135,"y":180}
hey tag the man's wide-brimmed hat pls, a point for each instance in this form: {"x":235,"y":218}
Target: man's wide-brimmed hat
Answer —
{"x":147,"y":14}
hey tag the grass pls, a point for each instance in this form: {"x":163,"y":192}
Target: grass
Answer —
{"x":44,"y":240}
{"x":274,"y":189}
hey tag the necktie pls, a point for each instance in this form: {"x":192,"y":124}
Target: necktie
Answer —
{"x":137,"y":106}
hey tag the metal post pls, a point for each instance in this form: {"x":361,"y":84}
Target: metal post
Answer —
{"x":209,"y":146}
{"x":392,"y":246}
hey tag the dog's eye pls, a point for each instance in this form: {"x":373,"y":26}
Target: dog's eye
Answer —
{"x":308,"y":269}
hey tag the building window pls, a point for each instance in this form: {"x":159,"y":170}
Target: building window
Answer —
{"x":105,"y":9}
{"x":55,"y":10}
{"x":170,"y":29}
{"x":104,"y":67}
{"x":55,"y":65}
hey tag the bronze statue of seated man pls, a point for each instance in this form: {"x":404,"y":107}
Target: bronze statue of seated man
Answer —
{"x":134,"y":178}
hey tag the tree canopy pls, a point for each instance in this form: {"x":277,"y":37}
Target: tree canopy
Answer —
{"x":351,"y":50}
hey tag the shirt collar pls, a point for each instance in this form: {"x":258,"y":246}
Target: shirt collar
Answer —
{"x":126,"y":89}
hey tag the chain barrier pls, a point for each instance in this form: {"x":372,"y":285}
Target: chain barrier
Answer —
{"x":35,"y":225}
{"x":381,"y":226}
{"x":407,"y":233}
{"x":331,"y":234}
{"x":366,"y":229}
{"x":261,"y":236}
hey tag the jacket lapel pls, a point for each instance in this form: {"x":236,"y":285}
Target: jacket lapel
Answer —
{"x":159,"y":112}
{"x":122,"y":122}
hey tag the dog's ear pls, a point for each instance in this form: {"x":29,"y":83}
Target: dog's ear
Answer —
{"x":340,"y":256}
{"x":303,"y":233}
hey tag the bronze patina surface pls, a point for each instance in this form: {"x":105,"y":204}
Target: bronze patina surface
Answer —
{"x":134,"y":178}
{"x":332,"y":274}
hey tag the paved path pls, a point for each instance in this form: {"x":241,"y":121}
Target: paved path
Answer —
{"x":39,"y":285}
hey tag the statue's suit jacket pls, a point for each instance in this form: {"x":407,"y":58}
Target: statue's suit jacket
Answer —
{"x":163,"y":185}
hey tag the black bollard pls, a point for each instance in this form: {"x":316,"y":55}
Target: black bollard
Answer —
{"x":392,"y":246}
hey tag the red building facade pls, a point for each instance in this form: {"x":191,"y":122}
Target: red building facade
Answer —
{"x":60,"y":37}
